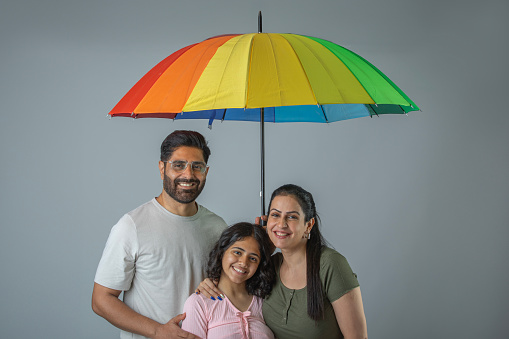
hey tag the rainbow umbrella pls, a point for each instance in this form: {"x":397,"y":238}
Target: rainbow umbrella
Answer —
{"x":265,"y":77}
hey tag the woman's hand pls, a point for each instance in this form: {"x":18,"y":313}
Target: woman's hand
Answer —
{"x":262,"y":221}
{"x":209,"y":289}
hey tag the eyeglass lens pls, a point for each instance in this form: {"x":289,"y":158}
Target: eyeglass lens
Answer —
{"x":181,"y":165}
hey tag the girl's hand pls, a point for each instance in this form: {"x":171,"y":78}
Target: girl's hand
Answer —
{"x":209,"y":289}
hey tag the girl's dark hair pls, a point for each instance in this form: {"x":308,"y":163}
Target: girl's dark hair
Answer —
{"x":260,"y":284}
{"x":313,"y":248}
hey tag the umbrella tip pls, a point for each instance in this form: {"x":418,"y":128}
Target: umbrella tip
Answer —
{"x":259,"y":21}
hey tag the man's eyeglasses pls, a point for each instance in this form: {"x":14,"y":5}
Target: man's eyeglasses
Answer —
{"x":181,"y":165}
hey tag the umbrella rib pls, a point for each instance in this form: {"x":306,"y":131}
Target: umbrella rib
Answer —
{"x":248,"y":80}
{"x":321,"y":63}
{"x":213,"y":45}
{"x":307,"y":78}
{"x":170,"y":89}
{"x":223,"y":73}
{"x":324,"y":115}
{"x":342,"y":58}
{"x":275,"y":63}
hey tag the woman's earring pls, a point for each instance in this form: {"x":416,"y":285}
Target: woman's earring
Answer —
{"x":306,"y":236}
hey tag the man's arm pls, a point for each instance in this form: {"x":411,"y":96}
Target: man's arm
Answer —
{"x":106,"y":304}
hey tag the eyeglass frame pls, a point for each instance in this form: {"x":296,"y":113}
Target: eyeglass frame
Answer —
{"x":187,"y":164}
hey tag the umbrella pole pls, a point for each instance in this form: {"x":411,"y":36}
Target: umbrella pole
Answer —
{"x":262,"y":142}
{"x":262,"y":154}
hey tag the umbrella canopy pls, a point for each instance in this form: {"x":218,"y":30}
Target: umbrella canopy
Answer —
{"x":293,"y":77}
{"x":263,"y":77}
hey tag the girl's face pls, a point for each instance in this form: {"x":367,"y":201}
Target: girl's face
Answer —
{"x":241,"y":260}
{"x":286,"y":224}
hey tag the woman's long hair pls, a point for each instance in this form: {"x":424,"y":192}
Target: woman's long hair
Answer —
{"x":313,"y":248}
{"x":260,"y":284}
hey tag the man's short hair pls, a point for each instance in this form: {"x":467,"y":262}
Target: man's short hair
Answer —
{"x":184,"y":138}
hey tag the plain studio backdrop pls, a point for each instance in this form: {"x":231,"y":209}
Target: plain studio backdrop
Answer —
{"x":418,"y":204}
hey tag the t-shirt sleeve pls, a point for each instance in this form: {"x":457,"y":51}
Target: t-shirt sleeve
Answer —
{"x":117,"y":265}
{"x":336,"y":275}
{"x":196,"y":321}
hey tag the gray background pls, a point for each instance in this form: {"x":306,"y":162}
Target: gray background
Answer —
{"x":417,"y":203}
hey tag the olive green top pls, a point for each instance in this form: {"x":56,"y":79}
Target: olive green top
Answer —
{"x":285,"y":310}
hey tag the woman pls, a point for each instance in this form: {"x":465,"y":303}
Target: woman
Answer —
{"x":240,"y":261}
{"x":316,"y":294}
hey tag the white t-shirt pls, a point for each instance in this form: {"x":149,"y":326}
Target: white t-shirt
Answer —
{"x":158,"y":258}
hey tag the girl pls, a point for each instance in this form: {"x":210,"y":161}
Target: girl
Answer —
{"x":240,"y":261}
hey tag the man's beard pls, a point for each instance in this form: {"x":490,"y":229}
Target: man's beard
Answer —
{"x":183,"y":196}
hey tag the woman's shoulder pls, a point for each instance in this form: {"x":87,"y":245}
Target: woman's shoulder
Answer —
{"x":330,"y":254}
{"x":331,"y":259}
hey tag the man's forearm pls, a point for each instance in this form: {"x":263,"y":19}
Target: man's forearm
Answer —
{"x":108,"y":306}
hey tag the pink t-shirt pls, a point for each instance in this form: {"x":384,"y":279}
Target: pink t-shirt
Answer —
{"x":211,"y":319}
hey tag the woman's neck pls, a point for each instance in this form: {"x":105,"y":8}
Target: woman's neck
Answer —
{"x":293,"y":269}
{"x":294,"y":258}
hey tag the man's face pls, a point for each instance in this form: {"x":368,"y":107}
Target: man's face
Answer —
{"x":183,"y":187}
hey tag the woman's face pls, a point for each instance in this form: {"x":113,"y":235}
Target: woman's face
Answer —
{"x":241,"y":260}
{"x":286,"y":224}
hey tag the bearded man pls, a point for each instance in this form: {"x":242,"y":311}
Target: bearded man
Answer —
{"x":155,"y":254}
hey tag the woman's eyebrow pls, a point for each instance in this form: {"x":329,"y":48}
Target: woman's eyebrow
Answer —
{"x":275,"y":209}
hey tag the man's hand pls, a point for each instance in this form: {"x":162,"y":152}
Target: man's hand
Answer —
{"x":105,"y":303}
{"x":172,"y":330}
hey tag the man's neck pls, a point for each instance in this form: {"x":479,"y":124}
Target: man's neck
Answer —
{"x":175,"y":207}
